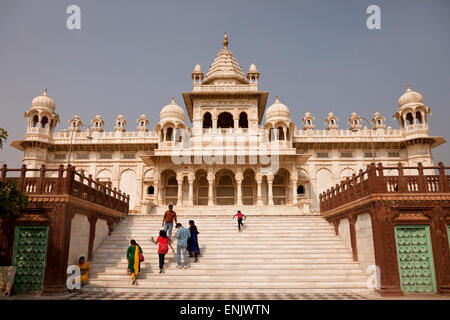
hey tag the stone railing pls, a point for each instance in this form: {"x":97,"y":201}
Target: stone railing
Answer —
{"x":69,"y":182}
{"x":374,"y":180}
{"x":411,"y":129}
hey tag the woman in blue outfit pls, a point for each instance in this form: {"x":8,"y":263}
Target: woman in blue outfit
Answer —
{"x":193,"y":248}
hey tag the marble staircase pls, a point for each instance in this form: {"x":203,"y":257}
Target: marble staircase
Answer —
{"x":273,"y":254}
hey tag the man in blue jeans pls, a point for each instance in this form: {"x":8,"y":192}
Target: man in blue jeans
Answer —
{"x":183,"y":235}
{"x":169,"y":217}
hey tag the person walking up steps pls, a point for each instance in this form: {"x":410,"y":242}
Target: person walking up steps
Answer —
{"x":169,"y":217}
{"x":240,"y":216}
{"x":193,"y":246}
{"x":183,"y":235}
{"x":134,"y":254}
{"x":163,"y":248}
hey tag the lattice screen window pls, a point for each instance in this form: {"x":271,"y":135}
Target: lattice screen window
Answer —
{"x":129,"y":156}
{"x":394,"y":154}
{"x":60,"y":156}
{"x":369,"y":154}
{"x":82,"y":156}
{"x":106,"y":156}
{"x":322,"y":155}
{"x":346,"y":154}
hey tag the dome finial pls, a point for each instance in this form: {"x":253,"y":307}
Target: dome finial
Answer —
{"x":408,"y":87}
{"x":173,"y":100}
{"x":277,"y":99}
{"x":225,"y":40}
{"x":45,"y":91}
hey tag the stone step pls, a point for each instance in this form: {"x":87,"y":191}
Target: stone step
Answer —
{"x":224,"y":245}
{"x":338,"y":263}
{"x":170,"y":269}
{"x":228,"y":284}
{"x":157,"y":277}
{"x":273,"y":254}
{"x":220,"y":256}
{"x":151,"y":289}
{"x":123,"y":251}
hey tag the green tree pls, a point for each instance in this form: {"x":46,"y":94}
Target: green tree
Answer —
{"x":3,"y":137}
{"x":12,"y":201}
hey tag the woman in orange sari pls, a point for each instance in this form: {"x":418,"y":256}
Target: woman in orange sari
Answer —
{"x":134,"y":264}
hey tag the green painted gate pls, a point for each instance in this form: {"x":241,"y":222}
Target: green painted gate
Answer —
{"x":415,"y":259}
{"x":30,"y":252}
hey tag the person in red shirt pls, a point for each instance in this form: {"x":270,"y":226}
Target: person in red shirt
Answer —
{"x":240,"y":216}
{"x":163,"y":248}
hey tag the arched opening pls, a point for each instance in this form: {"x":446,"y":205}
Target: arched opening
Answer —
{"x":169,"y":134}
{"x":410,"y":118}
{"x":207,"y":120}
{"x":201,"y":186}
{"x":225,"y":120}
{"x":44,"y":121}
{"x":151,"y":190}
{"x":280,"y":187}
{"x":170,"y":187}
{"x":35,"y":120}
{"x":419,"y":117}
{"x":248,"y":188}
{"x":225,"y":188}
{"x":300,"y":190}
{"x":179,"y":133}
{"x":280,"y":133}
{"x":243,"y":120}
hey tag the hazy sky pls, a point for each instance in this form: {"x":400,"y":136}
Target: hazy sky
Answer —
{"x":130,"y":57}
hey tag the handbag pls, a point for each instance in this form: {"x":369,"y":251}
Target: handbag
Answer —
{"x":141,"y":257}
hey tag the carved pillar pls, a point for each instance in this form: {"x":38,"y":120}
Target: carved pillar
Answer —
{"x":210,"y":192}
{"x":441,"y":252}
{"x":385,"y":250}
{"x":239,"y":193}
{"x":92,"y":222}
{"x":258,"y":190}
{"x":270,"y":189}
{"x":58,"y":249}
{"x":191,"y":192}
{"x":156,"y":192}
{"x":294,"y":192}
{"x":180,"y":190}
{"x":351,"y":223}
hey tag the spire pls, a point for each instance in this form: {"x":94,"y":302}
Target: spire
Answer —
{"x":225,"y":40}
{"x":225,"y":66}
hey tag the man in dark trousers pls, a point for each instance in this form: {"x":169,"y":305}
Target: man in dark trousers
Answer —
{"x":240,"y":216}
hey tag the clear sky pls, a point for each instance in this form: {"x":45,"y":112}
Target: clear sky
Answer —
{"x":131,"y":57}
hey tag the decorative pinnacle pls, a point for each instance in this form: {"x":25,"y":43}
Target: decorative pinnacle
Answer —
{"x":277,"y":99}
{"x":225,"y":40}
{"x":45,"y":92}
{"x":173,"y":100}
{"x":408,"y":87}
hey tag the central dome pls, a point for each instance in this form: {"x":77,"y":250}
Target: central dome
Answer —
{"x":172,"y":111}
{"x":278,"y":110}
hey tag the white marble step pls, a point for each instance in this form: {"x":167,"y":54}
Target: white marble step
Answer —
{"x":151,"y":289}
{"x":276,"y":254}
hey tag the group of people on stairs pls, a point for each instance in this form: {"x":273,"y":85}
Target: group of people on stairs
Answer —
{"x":187,"y":241}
